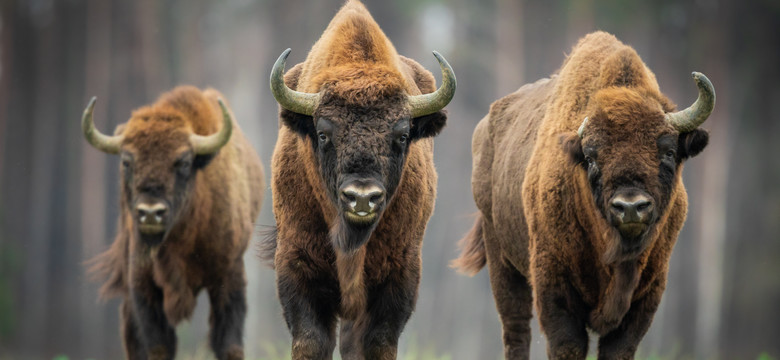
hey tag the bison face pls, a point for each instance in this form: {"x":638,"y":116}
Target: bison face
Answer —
{"x":361,"y":152}
{"x":160,"y":157}
{"x":158,"y":168}
{"x":632,"y":158}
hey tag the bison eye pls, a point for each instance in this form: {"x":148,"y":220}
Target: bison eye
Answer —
{"x":589,"y":160}
{"x":402,"y":139}
{"x":671,"y":153}
{"x":183,"y":166}
{"x":322,"y":136}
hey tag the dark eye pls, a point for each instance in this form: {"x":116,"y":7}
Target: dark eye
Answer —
{"x":402,"y":139}
{"x":589,"y":160}
{"x":182,"y":166}
{"x":671,"y":153}
{"x":322,"y":136}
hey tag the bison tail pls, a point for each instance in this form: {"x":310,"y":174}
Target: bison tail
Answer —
{"x":472,"y":250}
{"x":266,"y":248}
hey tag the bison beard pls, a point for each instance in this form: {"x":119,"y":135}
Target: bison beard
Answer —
{"x":349,"y":237}
{"x":599,"y":152}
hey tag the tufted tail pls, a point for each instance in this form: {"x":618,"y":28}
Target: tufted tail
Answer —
{"x":472,"y":250}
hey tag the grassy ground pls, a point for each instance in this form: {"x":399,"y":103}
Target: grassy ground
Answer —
{"x":282,"y":352}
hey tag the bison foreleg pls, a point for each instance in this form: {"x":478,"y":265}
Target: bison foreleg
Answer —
{"x":622,"y":342}
{"x":557,"y":304}
{"x":389,"y":307}
{"x":310,"y":306}
{"x":131,"y":341}
{"x":228,"y":311}
{"x":157,"y":335}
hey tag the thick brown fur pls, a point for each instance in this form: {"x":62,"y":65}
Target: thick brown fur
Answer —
{"x":323,"y":274}
{"x":544,"y":210}
{"x":203,"y":249}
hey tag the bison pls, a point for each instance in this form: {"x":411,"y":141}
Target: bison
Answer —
{"x":578,"y":183}
{"x":191,"y":187}
{"x":353,"y":186}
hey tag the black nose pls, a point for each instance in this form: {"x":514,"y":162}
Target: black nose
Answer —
{"x":362,"y":199}
{"x":151,"y":214}
{"x":636,"y":208}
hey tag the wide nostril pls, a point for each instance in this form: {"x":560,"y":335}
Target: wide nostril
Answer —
{"x":376,"y":198}
{"x":643,"y":206}
{"x":151,"y":213}
{"x":632,"y":209}
{"x":349,"y":195}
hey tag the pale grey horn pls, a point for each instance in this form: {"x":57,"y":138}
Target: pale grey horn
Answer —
{"x":581,"y":130}
{"x":209,"y":144}
{"x":430,"y":103}
{"x":295,"y":101}
{"x":690,"y":118}
{"x":102,"y":142}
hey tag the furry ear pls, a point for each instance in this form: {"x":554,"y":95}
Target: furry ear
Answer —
{"x":692,"y":143}
{"x":120,"y":129}
{"x":303,"y":125}
{"x":572,"y":145}
{"x":201,"y":161}
{"x":428,"y":125}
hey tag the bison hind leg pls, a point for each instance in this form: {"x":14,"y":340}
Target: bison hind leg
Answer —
{"x":512,"y":293}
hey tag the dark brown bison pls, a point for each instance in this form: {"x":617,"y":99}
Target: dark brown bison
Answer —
{"x":353,"y":187}
{"x":578,"y":182}
{"x":191,"y":188}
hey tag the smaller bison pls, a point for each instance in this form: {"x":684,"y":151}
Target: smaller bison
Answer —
{"x":578,"y":179}
{"x":191,"y":188}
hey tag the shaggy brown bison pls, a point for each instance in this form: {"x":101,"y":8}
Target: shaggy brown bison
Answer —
{"x":191,"y":188}
{"x":353,"y":187}
{"x":578,"y":182}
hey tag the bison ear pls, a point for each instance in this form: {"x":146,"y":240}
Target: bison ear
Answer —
{"x":692,"y":143}
{"x":201,"y":161}
{"x":120,"y":129}
{"x":303,"y":125}
{"x":573,"y":147}
{"x":428,"y":125}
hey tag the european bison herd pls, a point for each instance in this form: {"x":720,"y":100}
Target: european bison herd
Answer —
{"x":577,"y":178}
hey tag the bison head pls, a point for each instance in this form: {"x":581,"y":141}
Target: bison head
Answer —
{"x":361,"y":125}
{"x":632,"y":151}
{"x":160,"y":156}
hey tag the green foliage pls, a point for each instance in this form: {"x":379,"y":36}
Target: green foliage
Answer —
{"x":765,"y":356}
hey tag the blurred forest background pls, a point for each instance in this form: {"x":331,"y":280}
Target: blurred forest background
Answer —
{"x":58,"y":195}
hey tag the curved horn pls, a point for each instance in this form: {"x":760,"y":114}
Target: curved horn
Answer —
{"x":692,"y":117}
{"x":204,"y":145}
{"x":102,"y":142}
{"x":296,"y":101}
{"x":430,"y":103}
{"x":581,"y":130}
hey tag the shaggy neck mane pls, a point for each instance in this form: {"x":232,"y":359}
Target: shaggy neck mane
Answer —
{"x":353,"y":59}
